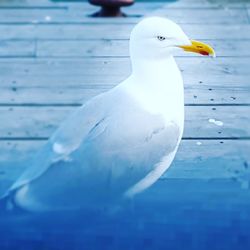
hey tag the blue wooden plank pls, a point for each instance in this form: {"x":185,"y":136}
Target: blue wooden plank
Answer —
{"x":119,"y":48}
{"x":17,"y":48}
{"x":92,"y":71}
{"x":80,"y":15}
{"x":201,"y":121}
{"x":103,"y":48}
{"x":111,"y":31}
{"x":228,"y":94}
{"x":117,"y":66}
{"x":139,"y":3}
{"x":196,"y":159}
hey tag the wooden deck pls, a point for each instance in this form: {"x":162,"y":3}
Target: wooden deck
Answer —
{"x":53,"y":57}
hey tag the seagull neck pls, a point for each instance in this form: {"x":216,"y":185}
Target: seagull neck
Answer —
{"x":158,"y":87}
{"x":156,"y":74}
{"x":159,"y":79}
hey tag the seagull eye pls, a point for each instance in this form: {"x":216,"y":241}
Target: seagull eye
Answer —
{"x":161,"y":38}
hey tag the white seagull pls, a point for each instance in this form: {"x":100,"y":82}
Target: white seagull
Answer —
{"x":119,"y":143}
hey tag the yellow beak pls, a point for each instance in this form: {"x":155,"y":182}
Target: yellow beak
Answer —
{"x":199,"y":47}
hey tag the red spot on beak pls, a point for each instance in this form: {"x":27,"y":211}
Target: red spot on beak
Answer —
{"x":205,"y":53}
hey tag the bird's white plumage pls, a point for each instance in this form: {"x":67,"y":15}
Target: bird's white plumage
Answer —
{"x":120,"y":142}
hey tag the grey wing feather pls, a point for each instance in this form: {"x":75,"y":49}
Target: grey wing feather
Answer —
{"x":67,"y":138}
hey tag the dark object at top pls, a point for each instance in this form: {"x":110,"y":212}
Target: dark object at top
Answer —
{"x":110,"y":8}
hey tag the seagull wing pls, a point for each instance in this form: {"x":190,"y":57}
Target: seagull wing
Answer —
{"x":66,"y":139}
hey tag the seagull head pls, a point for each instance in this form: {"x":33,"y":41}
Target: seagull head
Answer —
{"x":157,"y":37}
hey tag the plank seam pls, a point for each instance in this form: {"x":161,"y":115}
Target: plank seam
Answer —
{"x":247,"y":138}
{"x":31,"y":105}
